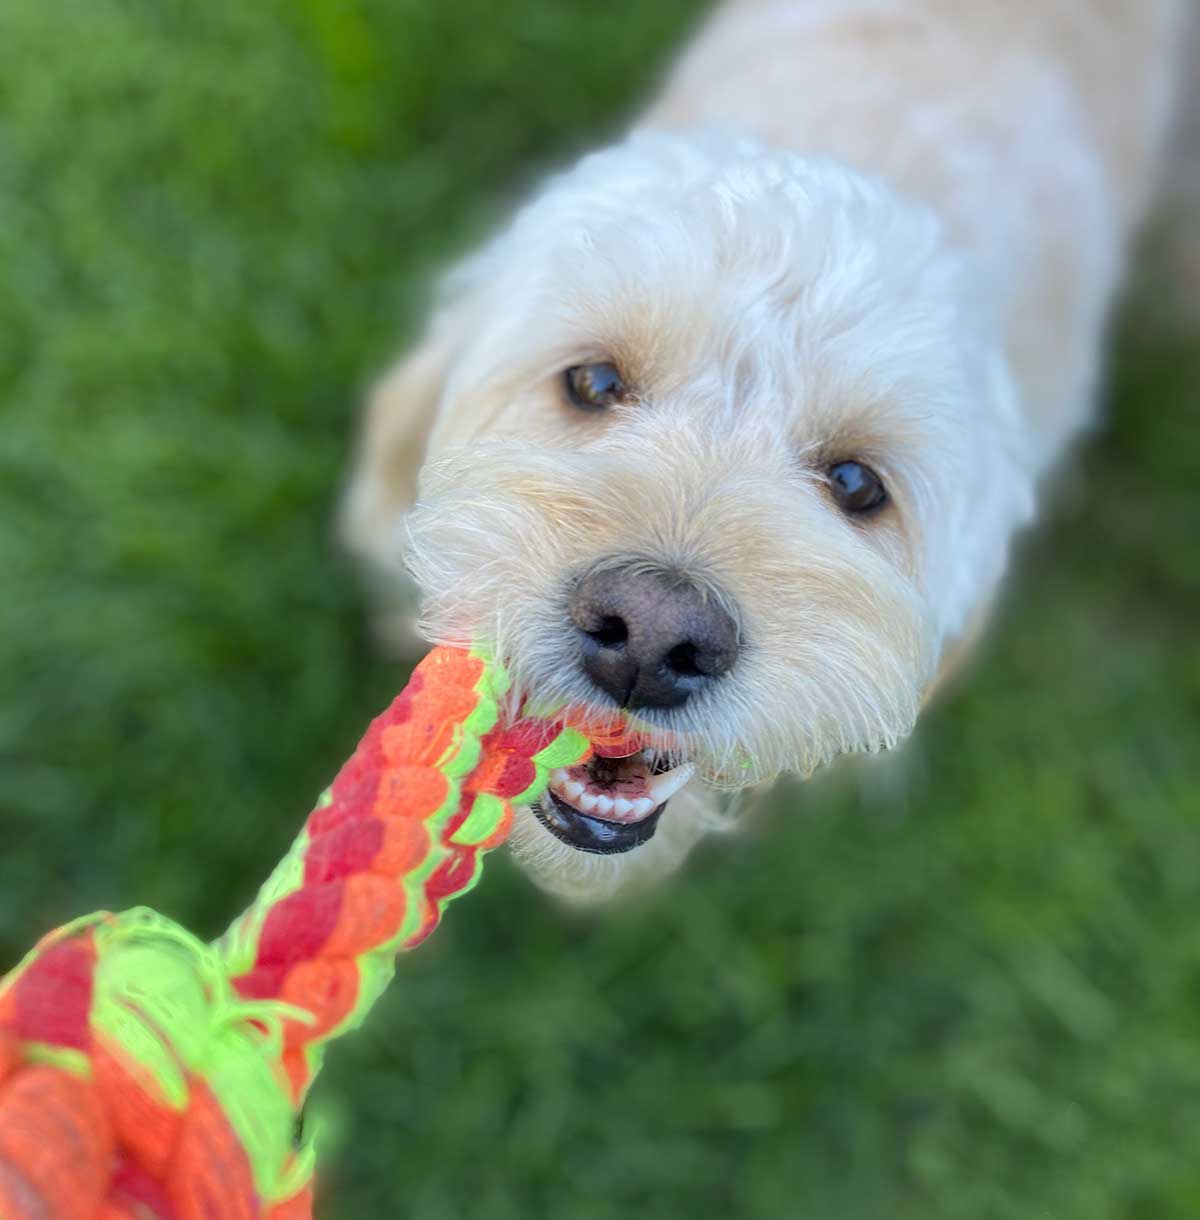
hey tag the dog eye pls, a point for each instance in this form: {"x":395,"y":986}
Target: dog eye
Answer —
{"x":593,"y":387}
{"x":856,"y":488}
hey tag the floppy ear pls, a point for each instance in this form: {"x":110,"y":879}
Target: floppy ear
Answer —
{"x":400,"y":412}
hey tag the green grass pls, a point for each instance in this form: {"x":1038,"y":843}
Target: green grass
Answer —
{"x":974,"y":996}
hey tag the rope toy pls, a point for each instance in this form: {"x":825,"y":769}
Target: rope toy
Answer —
{"x":145,"y":1075}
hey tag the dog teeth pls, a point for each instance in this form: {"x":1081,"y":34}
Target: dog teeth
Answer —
{"x":663,"y":787}
{"x":587,"y":798}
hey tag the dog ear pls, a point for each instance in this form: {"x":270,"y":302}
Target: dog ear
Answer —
{"x":399,"y":415}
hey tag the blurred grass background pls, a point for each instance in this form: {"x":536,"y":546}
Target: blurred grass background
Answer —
{"x":976,"y":997}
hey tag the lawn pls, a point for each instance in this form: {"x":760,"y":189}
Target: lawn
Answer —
{"x":973,"y":993}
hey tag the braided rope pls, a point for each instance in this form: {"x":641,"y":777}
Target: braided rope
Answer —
{"x":145,"y":1075}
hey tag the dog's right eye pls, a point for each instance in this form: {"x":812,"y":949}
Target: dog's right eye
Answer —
{"x":595,"y":387}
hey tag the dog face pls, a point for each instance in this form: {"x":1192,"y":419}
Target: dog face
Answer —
{"x":715,"y":434}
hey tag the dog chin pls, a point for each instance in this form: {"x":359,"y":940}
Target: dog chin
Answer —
{"x":584,"y":859}
{"x":610,"y":806}
{"x":617,"y":820}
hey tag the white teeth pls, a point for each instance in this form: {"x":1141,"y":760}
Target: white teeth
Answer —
{"x":663,"y":787}
{"x":585,"y":797}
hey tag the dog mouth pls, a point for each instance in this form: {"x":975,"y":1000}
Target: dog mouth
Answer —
{"x":610,"y":805}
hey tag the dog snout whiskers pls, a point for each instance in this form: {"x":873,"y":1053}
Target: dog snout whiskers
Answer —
{"x":650,"y":639}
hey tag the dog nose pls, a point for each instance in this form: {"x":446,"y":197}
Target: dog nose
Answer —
{"x":649,"y":638}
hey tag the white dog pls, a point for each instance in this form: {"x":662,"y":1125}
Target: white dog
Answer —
{"x":733,"y":425}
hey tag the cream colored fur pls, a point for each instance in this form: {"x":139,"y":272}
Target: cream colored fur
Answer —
{"x":880,"y":229}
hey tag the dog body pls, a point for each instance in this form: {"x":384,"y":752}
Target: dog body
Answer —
{"x":733,"y":425}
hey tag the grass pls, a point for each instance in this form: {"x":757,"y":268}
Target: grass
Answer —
{"x":975,"y":997}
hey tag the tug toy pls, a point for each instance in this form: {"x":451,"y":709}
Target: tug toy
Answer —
{"x":145,"y":1075}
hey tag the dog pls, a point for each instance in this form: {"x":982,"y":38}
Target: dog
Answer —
{"x":731,"y":428}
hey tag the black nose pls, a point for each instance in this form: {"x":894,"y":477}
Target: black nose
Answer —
{"x":648,"y":638}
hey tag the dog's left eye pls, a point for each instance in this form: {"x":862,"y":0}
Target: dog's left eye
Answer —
{"x":856,"y":488}
{"x":593,"y":387}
